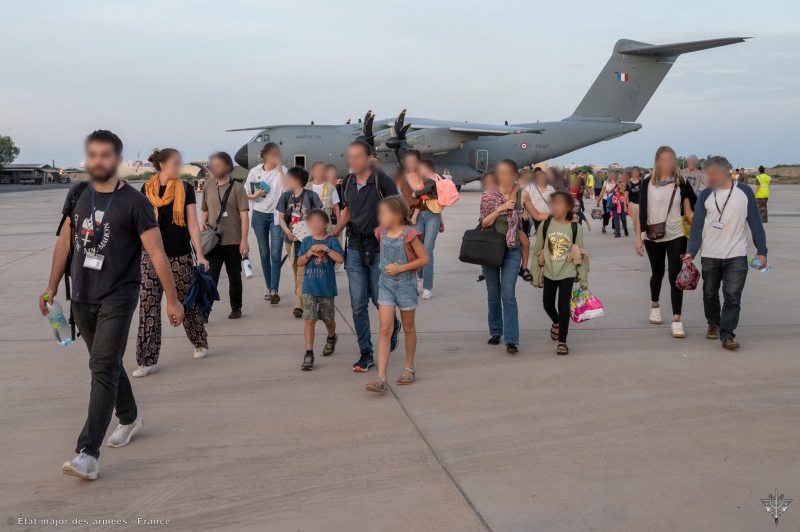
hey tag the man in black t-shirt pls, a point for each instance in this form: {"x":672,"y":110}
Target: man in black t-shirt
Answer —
{"x":106,"y":225}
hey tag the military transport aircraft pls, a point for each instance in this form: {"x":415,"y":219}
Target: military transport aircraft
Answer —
{"x":467,"y":150}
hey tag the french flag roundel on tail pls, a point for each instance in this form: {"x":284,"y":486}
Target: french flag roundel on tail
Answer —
{"x":622,"y":76}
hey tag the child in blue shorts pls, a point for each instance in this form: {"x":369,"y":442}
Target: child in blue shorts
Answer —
{"x":402,"y":255}
{"x":318,"y":253}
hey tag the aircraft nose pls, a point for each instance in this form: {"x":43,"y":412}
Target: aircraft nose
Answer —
{"x":241,"y":157}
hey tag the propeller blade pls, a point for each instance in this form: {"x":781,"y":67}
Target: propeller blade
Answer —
{"x":368,"y":130}
{"x":402,"y":133}
{"x":398,"y":122}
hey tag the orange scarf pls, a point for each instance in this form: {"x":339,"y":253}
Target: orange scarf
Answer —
{"x":175,"y":194}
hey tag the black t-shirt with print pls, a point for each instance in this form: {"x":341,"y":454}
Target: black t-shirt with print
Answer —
{"x":305,"y":202}
{"x":177,"y":241}
{"x":119,"y":243}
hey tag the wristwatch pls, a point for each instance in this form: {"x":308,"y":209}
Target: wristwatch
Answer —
{"x":327,"y":250}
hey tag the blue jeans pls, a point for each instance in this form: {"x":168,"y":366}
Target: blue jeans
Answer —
{"x":428,"y":224}
{"x":501,"y":286}
{"x":270,"y":243}
{"x":620,"y":216}
{"x":363,"y":281}
{"x":731,"y":275}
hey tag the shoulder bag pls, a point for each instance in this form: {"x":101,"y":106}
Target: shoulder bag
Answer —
{"x":210,"y":237}
{"x":657,"y":231}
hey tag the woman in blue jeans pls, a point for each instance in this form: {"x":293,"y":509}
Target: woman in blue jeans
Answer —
{"x":501,"y":210}
{"x":424,"y":220}
{"x":264,"y":186}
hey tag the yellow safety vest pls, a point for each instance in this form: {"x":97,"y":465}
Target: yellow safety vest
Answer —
{"x":763,"y":186}
{"x":590,"y":181}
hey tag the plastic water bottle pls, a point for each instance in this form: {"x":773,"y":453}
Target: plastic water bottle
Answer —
{"x":247,"y":267}
{"x":756,"y":264}
{"x":55,"y":315}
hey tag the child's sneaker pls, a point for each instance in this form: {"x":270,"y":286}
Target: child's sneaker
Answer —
{"x":330,"y":345}
{"x":426,"y":294}
{"x":308,"y":363}
{"x":365,"y":362}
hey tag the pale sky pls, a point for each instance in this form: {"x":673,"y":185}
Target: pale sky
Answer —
{"x":179,"y":73}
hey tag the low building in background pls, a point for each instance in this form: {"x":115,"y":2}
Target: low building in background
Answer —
{"x":29,"y":174}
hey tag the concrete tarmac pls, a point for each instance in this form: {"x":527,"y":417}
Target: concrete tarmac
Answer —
{"x":634,"y":430}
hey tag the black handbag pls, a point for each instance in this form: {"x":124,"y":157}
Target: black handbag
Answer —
{"x":483,"y":247}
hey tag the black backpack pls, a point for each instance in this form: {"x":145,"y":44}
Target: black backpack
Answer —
{"x":66,"y":214}
{"x":380,"y":183}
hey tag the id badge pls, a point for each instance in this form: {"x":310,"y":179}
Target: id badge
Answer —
{"x":718,"y":225}
{"x":225,"y":214}
{"x":93,"y":262}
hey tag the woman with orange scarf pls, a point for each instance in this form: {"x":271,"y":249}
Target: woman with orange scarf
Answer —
{"x":174,"y":205}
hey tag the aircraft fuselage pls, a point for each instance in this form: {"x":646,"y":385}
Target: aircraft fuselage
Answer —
{"x":302,"y":145}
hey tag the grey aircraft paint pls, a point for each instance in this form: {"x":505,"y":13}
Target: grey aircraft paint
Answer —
{"x":608,"y":110}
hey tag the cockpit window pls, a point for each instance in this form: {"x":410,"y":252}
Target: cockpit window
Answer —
{"x":260,"y":138}
{"x":265,"y":138}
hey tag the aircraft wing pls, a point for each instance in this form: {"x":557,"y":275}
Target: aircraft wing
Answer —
{"x":470,"y":128}
{"x":439,"y":138}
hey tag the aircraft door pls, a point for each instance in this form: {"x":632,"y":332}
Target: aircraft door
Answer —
{"x":479,"y":160}
{"x":300,"y":160}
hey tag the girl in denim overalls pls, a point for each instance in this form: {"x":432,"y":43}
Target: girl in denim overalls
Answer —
{"x":402,"y":255}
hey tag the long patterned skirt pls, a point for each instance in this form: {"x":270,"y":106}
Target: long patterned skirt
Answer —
{"x":148,"y":341}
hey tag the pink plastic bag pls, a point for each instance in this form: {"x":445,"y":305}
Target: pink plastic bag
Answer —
{"x":688,"y":277}
{"x":584,"y":306}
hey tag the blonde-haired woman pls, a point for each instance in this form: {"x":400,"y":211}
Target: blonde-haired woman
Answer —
{"x":664,"y":199}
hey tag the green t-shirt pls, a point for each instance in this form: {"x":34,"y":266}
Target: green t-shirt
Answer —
{"x":556,"y":245}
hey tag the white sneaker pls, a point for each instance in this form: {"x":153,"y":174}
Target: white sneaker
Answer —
{"x":82,"y":466}
{"x":677,"y":330}
{"x":123,"y":433}
{"x":655,"y":315}
{"x":144,"y":371}
{"x":426,"y":294}
{"x":200,"y":352}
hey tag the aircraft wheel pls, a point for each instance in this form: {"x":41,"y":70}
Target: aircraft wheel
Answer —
{"x":458,"y":187}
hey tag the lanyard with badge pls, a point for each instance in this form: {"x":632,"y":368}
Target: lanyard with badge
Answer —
{"x":719,"y":224}
{"x":224,"y":213}
{"x":94,"y":261}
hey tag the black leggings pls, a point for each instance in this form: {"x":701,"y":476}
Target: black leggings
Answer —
{"x":671,"y":251}
{"x":560,"y":314}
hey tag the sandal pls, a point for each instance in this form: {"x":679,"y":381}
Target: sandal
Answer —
{"x":525,"y":273}
{"x":378,"y":385}
{"x":562,"y":349}
{"x":554,"y":332}
{"x":407,"y":379}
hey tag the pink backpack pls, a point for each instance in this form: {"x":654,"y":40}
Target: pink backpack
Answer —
{"x":446,"y":191}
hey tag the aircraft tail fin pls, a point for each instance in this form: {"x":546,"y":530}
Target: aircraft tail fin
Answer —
{"x":632,"y":75}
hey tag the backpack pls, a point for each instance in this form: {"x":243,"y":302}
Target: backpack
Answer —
{"x":546,"y":226}
{"x":446,"y":191}
{"x":382,"y":192}
{"x":67,"y":213}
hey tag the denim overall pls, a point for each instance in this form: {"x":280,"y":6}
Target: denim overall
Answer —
{"x":399,"y":290}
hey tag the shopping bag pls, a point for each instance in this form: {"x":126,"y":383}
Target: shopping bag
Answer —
{"x":688,"y":277}
{"x":584,"y":306}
